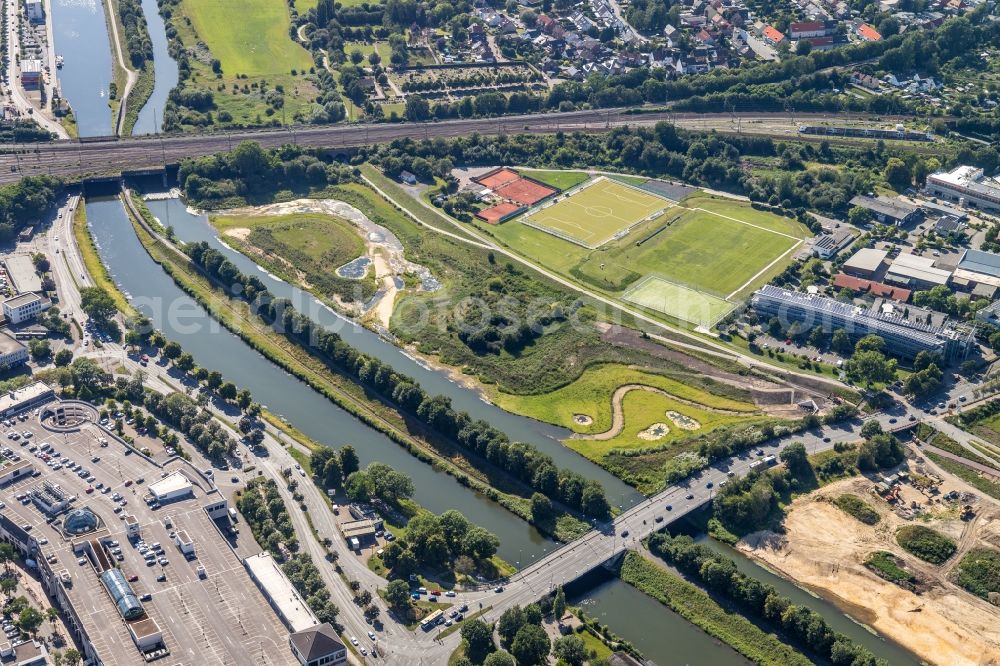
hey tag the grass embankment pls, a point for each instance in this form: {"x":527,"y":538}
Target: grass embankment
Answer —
{"x":92,"y":261}
{"x":942,"y":441}
{"x":694,"y":605}
{"x":979,"y":573}
{"x":857,"y":508}
{"x":927,"y":544}
{"x":137,"y":98}
{"x":119,"y":75}
{"x":303,"y":249}
{"x":351,"y":397}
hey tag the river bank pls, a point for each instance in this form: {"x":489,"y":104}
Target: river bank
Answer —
{"x":823,"y":549}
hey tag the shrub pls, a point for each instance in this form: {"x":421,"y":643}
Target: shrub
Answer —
{"x":857,"y":508}
{"x":925,"y":543}
{"x":979,"y":573}
{"x":885,"y":565}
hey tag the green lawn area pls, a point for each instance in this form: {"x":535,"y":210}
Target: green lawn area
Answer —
{"x":678,"y":301}
{"x":382,"y":48}
{"x":563,"y":180}
{"x":644,"y":409}
{"x":255,"y":42}
{"x":303,"y":248}
{"x":591,"y":395}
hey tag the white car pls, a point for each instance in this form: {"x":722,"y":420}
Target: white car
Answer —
{"x":371,"y":635}
{"x":354,"y":641}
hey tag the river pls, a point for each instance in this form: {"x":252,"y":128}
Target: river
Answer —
{"x":191,"y":227}
{"x":150,"y":119}
{"x":80,"y":33}
{"x":182,"y":319}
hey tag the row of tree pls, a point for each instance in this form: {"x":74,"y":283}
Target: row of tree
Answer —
{"x":720,"y":575}
{"x":137,"y":41}
{"x":521,"y":460}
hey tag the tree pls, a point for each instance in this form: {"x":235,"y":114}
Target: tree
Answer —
{"x":871,"y":428}
{"x":479,"y":640}
{"x":841,"y":342}
{"x":499,"y":659}
{"x":859,"y":216}
{"x":244,"y":399}
{"x":184,"y":362}
{"x":40,"y":349}
{"x":397,"y":594}
{"x":63,"y":357}
{"x":51,"y":614}
{"x":72,"y":657}
{"x":480,"y":544}
{"x":869,"y":343}
{"x":172,"y":350}
{"x":417,"y":108}
{"x":372,"y":613}
{"x":531,"y":645}
{"x":796,"y":459}
{"x":570,"y":649}
{"x":559,"y":604}
{"x":349,"y":460}
{"x":98,"y":304}
{"x":8,"y":585}
{"x":214,"y":379}
{"x":871,"y":367}
{"x":897,"y":174}
{"x":541,"y":508}
{"x":510,"y":622}
{"x":227,"y":391}
{"x":29,"y":620}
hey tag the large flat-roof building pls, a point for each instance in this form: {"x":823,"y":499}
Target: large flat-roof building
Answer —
{"x":24,"y":398}
{"x":966,"y":185}
{"x":282,"y":595}
{"x":22,"y":274}
{"x":889,"y":211}
{"x":903,"y":337}
{"x":916,"y":272}
{"x":865,"y":263}
{"x":978,"y":268}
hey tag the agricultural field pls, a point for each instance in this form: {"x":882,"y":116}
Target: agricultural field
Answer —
{"x":256,"y":56}
{"x":307,"y":248}
{"x":597,"y":213}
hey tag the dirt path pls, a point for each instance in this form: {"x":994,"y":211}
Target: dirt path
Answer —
{"x":618,"y":414}
{"x":824,"y":550}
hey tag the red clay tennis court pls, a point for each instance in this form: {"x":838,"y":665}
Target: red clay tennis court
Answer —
{"x":498,"y":213}
{"x":524,"y":191}
{"x":497,"y":178}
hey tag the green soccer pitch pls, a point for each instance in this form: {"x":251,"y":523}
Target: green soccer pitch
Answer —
{"x":598,"y":212}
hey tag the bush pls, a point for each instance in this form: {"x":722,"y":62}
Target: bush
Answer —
{"x":885,"y":565}
{"x":925,"y":543}
{"x":857,"y":508}
{"x":979,"y":573}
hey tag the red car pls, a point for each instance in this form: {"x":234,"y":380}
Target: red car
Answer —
{"x":90,"y":489}
{"x":128,"y":483}
{"x":133,"y":578}
{"x":435,"y":593}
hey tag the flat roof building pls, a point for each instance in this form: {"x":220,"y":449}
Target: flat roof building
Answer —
{"x":889,"y":211}
{"x":21,"y":272}
{"x":865,"y":263}
{"x":903,"y":337}
{"x":916,"y":272}
{"x":12,"y":352}
{"x":828,"y":246}
{"x":171,"y":487}
{"x":25,"y":397}
{"x":24,"y":307}
{"x":279,"y":591}
{"x":978,"y":267}
{"x":966,"y":185}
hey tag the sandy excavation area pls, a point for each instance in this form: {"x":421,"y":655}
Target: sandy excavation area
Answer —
{"x":824,"y":550}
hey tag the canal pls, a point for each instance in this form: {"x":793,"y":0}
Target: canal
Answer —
{"x":150,"y":119}
{"x":182,"y":319}
{"x":659,"y":633}
{"x":192,"y":227}
{"x":81,"y":38}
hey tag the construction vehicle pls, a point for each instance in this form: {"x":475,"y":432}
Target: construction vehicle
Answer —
{"x":967,"y":512}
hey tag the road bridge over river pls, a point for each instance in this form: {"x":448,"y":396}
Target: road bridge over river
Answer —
{"x":607,"y":543}
{"x":113,"y":156}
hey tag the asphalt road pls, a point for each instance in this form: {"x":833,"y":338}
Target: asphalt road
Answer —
{"x":74,"y":158}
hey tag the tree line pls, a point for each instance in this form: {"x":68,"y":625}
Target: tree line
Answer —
{"x":137,"y":41}
{"x":23,"y":203}
{"x":522,"y":461}
{"x":719,"y":574}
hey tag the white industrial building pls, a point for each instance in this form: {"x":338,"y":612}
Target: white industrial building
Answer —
{"x":916,"y":272}
{"x":966,"y":185}
{"x":25,"y":397}
{"x":172,"y":487}
{"x":24,"y":307}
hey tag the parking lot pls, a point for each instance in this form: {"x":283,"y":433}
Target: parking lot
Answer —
{"x":218,"y":617}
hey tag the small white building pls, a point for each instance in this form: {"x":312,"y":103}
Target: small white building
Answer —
{"x":171,"y":487}
{"x":24,"y":307}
